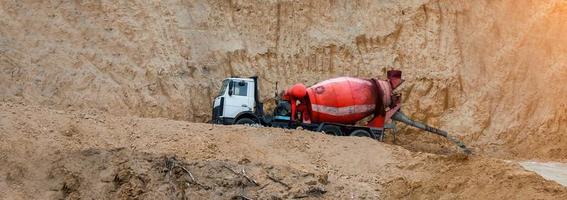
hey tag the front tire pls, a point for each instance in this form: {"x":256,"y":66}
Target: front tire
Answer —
{"x":246,"y":121}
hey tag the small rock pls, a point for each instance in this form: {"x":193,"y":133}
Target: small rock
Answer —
{"x":244,"y":161}
{"x":324,"y":179}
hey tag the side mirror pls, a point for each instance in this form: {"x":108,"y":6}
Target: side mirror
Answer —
{"x":230,"y":87}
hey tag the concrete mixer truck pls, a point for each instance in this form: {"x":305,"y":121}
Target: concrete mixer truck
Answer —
{"x":335,"y":106}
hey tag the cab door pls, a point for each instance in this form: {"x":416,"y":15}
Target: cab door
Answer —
{"x":240,"y":98}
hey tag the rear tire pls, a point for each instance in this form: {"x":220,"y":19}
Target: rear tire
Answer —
{"x":246,"y":121}
{"x":332,"y":130}
{"x":360,"y":133}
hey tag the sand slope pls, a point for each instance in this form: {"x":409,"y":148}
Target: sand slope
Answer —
{"x":489,"y":71}
{"x":59,"y":154}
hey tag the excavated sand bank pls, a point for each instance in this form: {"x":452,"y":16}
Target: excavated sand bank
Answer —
{"x":56,"y":154}
{"x":90,"y":90}
{"x":492,"y":72}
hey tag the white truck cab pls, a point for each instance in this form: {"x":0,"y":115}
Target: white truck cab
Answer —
{"x":237,"y":100}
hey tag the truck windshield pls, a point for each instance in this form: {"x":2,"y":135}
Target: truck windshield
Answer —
{"x":223,"y":87}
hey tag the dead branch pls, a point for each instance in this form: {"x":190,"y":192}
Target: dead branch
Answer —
{"x":278,"y":181}
{"x":192,"y":177}
{"x":243,"y":174}
{"x":188,"y":172}
{"x":174,"y":164}
{"x":248,"y":178}
{"x":242,"y":197}
{"x":232,"y":170}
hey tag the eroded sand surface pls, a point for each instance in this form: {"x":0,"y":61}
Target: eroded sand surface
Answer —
{"x":106,"y":99}
{"x":492,"y":72}
{"x":62,"y":154}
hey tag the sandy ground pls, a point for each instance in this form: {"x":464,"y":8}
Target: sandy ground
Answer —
{"x":97,"y":98}
{"x":54,"y":154}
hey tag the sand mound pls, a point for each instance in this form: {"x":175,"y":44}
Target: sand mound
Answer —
{"x":123,"y":174}
{"x":74,"y":155}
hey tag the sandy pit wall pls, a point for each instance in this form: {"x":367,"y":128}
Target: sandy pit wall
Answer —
{"x":489,"y":71}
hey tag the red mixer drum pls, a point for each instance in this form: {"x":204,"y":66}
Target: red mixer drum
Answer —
{"x":343,"y":100}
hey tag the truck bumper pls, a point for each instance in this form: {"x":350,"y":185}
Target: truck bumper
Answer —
{"x":223,"y":120}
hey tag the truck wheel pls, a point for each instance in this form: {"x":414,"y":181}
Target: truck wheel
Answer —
{"x":332,"y":130}
{"x":360,"y":133}
{"x":246,"y":121}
